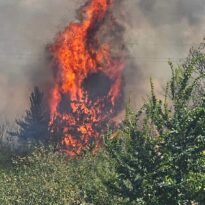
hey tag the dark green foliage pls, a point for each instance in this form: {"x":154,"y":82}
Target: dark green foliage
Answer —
{"x":51,"y":178}
{"x":40,"y":178}
{"x":33,"y":128}
{"x":159,"y":152}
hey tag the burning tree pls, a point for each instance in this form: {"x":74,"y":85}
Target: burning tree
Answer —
{"x":88,"y":77}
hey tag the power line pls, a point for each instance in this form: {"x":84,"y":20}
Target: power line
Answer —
{"x":127,"y":42}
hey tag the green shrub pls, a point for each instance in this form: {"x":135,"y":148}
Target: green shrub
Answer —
{"x":48,"y":177}
{"x":159,"y":152}
{"x":41,"y":178}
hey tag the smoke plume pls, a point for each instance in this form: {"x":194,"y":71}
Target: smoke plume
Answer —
{"x":155,"y":31}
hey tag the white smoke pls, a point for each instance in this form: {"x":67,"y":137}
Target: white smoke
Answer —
{"x":156,"y":30}
{"x":27,"y":26}
{"x":159,"y":30}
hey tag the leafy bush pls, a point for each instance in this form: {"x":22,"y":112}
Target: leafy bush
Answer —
{"x":41,"y":178}
{"x":48,"y":177}
{"x":160,"y":151}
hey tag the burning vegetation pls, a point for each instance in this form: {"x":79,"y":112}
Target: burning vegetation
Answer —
{"x":155,"y":156}
{"x":88,"y":77}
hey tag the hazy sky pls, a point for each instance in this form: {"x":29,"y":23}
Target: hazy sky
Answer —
{"x":156,"y":30}
{"x":27,"y":26}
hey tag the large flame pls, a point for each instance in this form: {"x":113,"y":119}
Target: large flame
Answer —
{"x":87,"y":81}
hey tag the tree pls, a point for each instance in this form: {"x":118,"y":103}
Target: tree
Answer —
{"x":159,"y":152}
{"x":33,"y":128}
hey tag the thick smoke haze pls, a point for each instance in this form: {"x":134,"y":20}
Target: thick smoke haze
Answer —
{"x":155,"y":31}
{"x":27,"y":26}
{"x":158,"y":31}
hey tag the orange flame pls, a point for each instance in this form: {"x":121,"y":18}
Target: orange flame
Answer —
{"x":77,"y":54}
